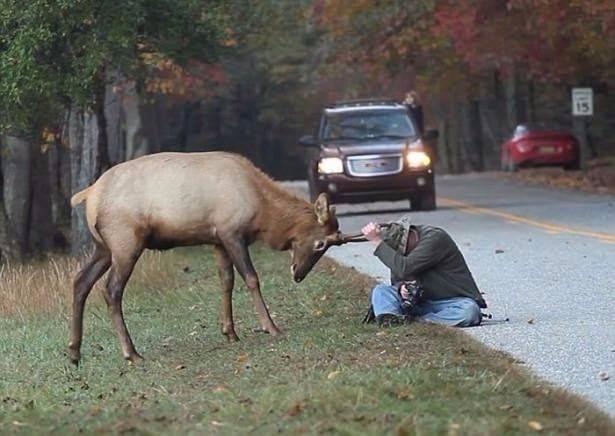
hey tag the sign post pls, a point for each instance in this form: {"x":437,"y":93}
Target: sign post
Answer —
{"x":582,"y":107}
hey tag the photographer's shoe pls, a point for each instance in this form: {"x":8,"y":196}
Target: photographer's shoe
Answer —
{"x":390,"y":320}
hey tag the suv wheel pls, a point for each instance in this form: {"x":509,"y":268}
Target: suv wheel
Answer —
{"x":424,"y":201}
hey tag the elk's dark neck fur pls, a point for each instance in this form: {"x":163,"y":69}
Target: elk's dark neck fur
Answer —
{"x":282,"y":217}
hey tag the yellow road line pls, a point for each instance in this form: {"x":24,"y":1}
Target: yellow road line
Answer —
{"x":512,"y":218}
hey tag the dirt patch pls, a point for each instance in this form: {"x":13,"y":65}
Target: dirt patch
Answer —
{"x":599,"y":177}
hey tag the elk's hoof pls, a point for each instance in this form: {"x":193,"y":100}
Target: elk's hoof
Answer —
{"x":231,"y":336}
{"x":134,"y":359}
{"x":276,"y":332}
{"x":74,"y":356}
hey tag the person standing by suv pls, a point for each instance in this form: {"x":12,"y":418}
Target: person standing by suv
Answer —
{"x":415,"y":109}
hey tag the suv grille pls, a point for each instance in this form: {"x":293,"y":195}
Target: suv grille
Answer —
{"x":374,"y":165}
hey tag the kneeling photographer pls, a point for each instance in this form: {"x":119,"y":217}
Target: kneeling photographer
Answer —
{"x":430,"y":279}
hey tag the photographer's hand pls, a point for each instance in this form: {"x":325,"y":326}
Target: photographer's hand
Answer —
{"x":372,"y":233}
{"x":405,"y":295}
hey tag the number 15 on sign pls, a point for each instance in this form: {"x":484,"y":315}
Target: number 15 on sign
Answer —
{"x":582,"y":101}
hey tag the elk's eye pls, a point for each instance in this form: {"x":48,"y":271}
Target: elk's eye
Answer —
{"x":319,"y":245}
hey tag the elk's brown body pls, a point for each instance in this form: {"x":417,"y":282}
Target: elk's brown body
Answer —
{"x":176,"y":199}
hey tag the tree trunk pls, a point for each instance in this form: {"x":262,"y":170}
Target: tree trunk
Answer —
{"x":443,"y":143}
{"x":444,"y":149}
{"x":113,"y":115}
{"x":476,"y":133}
{"x":60,"y":190}
{"x":16,"y":155}
{"x":515,"y":110}
{"x":455,"y":139}
{"x":531,"y":101}
{"x":42,"y":231}
{"x":150,"y":124}
{"x":136,"y":141}
{"x":87,"y":139}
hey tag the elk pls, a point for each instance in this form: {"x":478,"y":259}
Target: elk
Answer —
{"x":166,"y":200}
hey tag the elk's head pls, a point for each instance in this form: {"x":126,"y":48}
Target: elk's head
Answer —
{"x":313,"y":238}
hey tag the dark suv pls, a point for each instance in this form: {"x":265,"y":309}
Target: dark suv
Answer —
{"x":369,"y":150}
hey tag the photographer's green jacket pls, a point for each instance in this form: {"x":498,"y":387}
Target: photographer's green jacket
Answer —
{"x":438,"y":264}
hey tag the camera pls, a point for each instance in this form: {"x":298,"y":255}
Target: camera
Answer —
{"x":415,"y":294}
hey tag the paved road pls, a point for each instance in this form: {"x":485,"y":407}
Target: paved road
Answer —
{"x":544,"y":258}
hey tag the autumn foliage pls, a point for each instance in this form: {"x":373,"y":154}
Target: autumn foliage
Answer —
{"x":546,"y":40}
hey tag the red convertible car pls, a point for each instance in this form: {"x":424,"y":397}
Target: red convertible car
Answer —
{"x":537,"y":146}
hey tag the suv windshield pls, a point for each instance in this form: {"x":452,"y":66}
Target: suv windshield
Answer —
{"x":367,"y":125}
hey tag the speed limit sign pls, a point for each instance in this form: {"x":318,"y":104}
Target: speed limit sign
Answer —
{"x":582,"y":101}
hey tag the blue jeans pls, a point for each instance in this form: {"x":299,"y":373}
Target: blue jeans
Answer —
{"x":458,"y":311}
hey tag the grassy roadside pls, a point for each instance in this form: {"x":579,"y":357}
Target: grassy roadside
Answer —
{"x":328,"y":374}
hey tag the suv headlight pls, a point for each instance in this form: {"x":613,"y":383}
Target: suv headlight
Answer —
{"x":330,"y":165}
{"x":418,"y":159}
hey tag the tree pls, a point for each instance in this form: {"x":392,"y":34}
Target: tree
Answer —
{"x":268,"y":94}
{"x":485,"y":65}
{"x":58,"y":55}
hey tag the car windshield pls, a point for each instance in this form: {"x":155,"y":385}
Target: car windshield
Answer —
{"x":362,"y":125}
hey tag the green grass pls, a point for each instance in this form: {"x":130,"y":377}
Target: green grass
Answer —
{"x":328,"y":373}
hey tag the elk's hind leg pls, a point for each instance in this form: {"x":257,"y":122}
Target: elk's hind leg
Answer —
{"x":227,"y":279}
{"x":97,"y":264}
{"x":122,"y":264}
{"x":240,"y":256}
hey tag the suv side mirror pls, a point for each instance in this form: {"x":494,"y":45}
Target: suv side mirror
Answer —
{"x":308,"y":141}
{"x":431,"y":134}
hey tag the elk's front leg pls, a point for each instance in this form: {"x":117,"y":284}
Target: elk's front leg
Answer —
{"x":238,"y":252}
{"x":227,"y":279}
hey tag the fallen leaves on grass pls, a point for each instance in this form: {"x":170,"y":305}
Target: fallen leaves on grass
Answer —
{"x":242,"y":358}
{"x":242,"y":363}
{"x":405,"y":394}
{"x":220,"y":389}
{"x":535,"y":425}
{"x":179,"y":367}
{"x":296,"y":409}
{"x":332,"y":375}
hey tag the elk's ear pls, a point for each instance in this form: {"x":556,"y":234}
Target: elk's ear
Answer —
{"x":321,"y":209}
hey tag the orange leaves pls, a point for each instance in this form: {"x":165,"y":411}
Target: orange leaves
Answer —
{"x":169,"y":78}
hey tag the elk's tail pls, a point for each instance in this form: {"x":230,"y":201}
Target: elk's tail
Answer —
{"x":79,"y":197}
